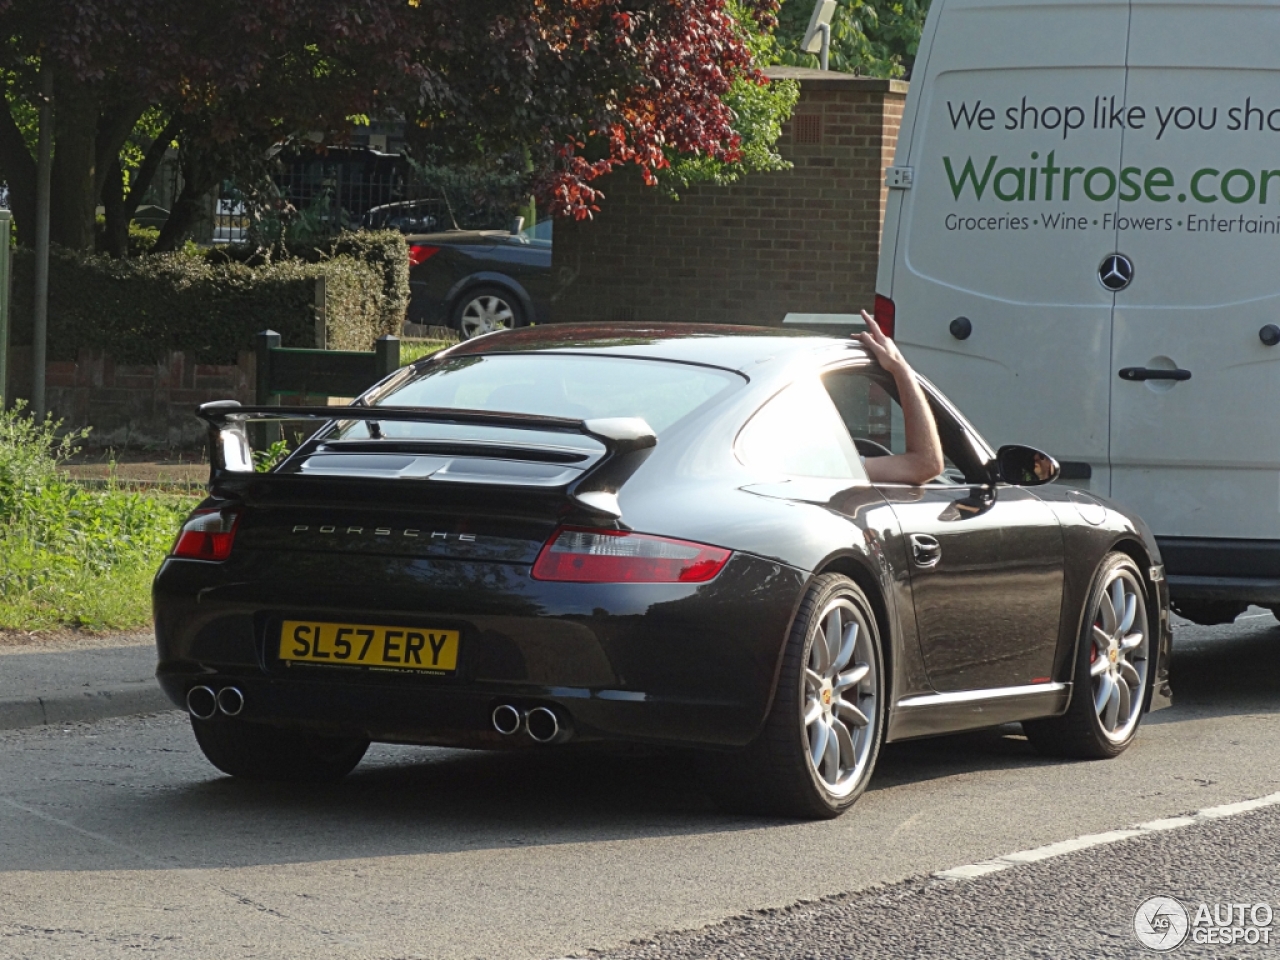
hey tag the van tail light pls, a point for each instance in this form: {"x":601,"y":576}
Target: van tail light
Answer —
{"x":420,"y":253}
{"x":207,"y":535}
{"x":886,"y":315}
{"x":582,"y":555}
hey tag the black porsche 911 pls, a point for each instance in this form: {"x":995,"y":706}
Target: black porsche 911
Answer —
{"x":658,"y":534}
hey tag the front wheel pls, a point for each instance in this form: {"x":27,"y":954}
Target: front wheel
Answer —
{"x":819,"y":746}
{"x":1112,"y":673}
{"x":254,"y":751}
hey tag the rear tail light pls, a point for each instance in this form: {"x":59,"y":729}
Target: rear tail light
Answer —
{"x":886,"y":315}
{"x":419,"y":253}
{"x":207,"y":535}
{"x":610,"y":556}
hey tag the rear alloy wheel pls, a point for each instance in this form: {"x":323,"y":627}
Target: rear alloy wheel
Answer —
{"x":486,"y":309}
{"x":253,"y":751}
{"x":820,"y":743}
{"x":1113,"y":670}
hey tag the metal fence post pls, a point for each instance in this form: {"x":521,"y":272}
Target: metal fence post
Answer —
{"x":386,"y":355}
{"x":6,"y":288}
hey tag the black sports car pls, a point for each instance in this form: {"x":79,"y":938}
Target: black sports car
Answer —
{"x":479,"y":281}
{"x":661,"y":534}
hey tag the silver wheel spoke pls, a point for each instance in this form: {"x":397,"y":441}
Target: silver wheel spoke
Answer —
{"x":813,"y":678}
{"x":1106,"y":687}
{"x":831,"y":758}
{"x":1130,"y":611}
{"x":846,"y":647}
{"x":1126,"y":702}
{"x":1129,"y":674}
{"x":1099,"y":667}
{"x":848,"y":753}
{"x":1117,"y":602}
{"x":1113,"y":707}
{"x":833,"y":630}
{"x":852,"y":677}
{"x":1101,"y":638}
{"x":818,"y":735}
{"x":812,"y":712}
{"x":849,"y":712}
{"x":1132,"y":641}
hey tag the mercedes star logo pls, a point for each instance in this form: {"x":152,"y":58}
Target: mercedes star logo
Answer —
{"x":1115,"y":272}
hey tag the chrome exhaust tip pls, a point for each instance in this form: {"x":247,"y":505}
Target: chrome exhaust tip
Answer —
{"x":507,"y":720}
{"x":230,"y":701}
{"x":543,"y":724}
{"x":202,"y":703}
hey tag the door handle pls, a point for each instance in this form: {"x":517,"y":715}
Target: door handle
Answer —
{"x":925,"y":550}
{"x":1146,"y":373}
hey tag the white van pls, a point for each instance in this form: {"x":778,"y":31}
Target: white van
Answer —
{"x":1082,"y":248}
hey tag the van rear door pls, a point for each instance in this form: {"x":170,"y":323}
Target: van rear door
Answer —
{"x":1200,"y":457}
{"x":1013,"y":133}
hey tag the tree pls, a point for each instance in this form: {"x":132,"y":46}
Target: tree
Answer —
{"x":876,"y":38}
{"x":574,"y":88}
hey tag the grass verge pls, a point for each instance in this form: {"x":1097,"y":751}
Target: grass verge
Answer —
{"x":71,"y":556}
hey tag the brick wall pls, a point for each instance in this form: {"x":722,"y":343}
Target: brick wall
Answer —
{"x":134,"y":405}
{"x":805,"y":240}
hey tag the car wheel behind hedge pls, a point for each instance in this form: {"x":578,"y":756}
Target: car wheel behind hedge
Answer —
{"x":485,"y":309}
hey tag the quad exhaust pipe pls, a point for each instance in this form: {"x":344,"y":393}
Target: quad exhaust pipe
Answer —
{"x":542,"y":724}
{"x":204,"y":703}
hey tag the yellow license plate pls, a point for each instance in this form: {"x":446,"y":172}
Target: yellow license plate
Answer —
{"x":360,"y":645}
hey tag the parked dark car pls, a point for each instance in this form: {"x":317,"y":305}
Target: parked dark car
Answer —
{"x":478,"y":281}
{"x":656,"y":534}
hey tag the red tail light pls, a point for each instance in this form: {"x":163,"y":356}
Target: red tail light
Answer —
{"x":609,"y":556}
{"x":207,"y":535}
{"x":886,"y":315}
{"x":419,"y":253}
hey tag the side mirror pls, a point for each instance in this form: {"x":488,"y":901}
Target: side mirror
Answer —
{"x":1024,"y":466}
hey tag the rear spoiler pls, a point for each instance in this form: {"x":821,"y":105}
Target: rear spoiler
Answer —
{"x":628,"y":441}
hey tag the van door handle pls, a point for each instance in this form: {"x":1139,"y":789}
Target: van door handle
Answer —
{"x":926,"y":551}
{"x":1146,"y":373}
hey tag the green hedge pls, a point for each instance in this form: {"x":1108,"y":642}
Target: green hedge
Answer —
{"x":136,"y":310}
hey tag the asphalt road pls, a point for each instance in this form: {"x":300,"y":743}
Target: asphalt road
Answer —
{"x":117,"y":839}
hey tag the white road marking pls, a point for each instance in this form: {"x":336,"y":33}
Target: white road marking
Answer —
{"x":983,"y":867}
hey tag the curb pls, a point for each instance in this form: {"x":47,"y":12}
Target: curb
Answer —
{"x":103,"y":704}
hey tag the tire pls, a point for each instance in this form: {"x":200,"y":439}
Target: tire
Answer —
{"x":776,"y":774}
{"x":485,"y":309}
{"x":253,"y":751}
{"x":1113,"y":670}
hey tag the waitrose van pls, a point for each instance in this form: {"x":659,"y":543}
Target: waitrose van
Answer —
{"x":1082,"y":247}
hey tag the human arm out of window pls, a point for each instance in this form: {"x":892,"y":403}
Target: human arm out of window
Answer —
{"x":922,"y":460}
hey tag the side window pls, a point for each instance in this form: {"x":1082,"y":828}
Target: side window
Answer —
{"x":867,"y":401}
{"x":799,"y":433}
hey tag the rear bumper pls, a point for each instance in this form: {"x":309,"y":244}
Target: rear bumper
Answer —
{"x":1246,"y":571}
{"x":673,"y":663}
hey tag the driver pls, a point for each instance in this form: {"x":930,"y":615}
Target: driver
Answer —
{"x":923,"y":458}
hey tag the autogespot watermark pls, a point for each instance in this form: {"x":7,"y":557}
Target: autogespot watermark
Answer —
{"x":1163,"y":923}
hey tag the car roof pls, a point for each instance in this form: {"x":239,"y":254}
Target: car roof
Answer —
{"x":738,"y":348}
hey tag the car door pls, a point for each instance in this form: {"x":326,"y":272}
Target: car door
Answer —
{"x":986,"y":570}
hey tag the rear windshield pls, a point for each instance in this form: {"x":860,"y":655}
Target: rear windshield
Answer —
{"x":560,"y":385}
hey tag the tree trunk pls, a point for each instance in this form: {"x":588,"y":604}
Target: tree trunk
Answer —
{"x":119,"y":206}
{"x":115,"y":236}
{"x":18,"y":167}
{"x":199,"y":176}
{"x":75,"y":199}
